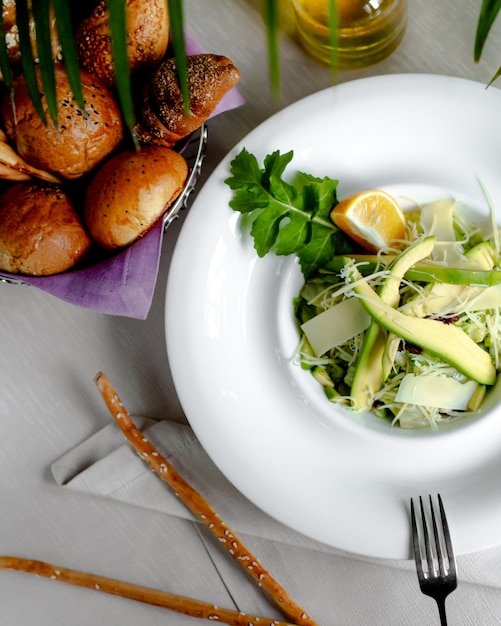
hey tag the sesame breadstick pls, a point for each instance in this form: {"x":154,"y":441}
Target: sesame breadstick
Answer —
{"x":198,"y":505}
{"x":180,"y":604}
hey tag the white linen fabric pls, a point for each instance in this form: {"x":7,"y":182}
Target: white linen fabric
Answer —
{"x":335,"y":587}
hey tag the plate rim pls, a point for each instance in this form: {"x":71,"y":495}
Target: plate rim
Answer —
{"x":173,"y":285}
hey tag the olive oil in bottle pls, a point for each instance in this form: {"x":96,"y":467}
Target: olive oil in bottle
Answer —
{"x":367,"y":30}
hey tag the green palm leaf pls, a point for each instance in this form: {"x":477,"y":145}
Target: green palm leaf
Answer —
{"x":118,"y":28}
{"x":333,"y":28}
{"x":176,"y":20}
{"x":41,"y":16}
{"x":27,"y":62}
{"x":270,"y":14}
{"x":488,"y":13}
{"x":64,"y":27}
{"x":5,"y":67}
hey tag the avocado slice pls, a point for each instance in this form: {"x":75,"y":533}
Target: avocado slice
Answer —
{"x":483,"y":256}
{"x":424,"y":272}
{"x":368,"y":376}
{"x":391,"y":349}
{"x":439,"y":297}
{"x":446,"y":341}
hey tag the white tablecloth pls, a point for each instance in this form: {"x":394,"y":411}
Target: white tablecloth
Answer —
{"x":50,"y":352}
{"x":105,"y":466}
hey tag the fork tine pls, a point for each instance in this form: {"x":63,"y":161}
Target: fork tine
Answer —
{"x":438,"y":543}
{"x":415,"y":540}
{"x":426,"y":537}
{"x":447,"y":538}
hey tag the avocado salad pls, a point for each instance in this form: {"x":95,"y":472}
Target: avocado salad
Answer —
{"x":411,"y":333}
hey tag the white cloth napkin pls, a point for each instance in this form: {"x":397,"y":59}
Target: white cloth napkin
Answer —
{"x":106,"y":466}
{"x":337,"y":588}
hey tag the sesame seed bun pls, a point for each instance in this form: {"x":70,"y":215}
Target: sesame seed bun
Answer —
{"x":130,"y":192}
{"x":162,"y":119}
{"x":80,"y":143}
{"x":40,"y":232}
{"x":147,"y":38}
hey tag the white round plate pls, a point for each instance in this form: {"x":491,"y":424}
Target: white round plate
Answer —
{"x":341,"y":479}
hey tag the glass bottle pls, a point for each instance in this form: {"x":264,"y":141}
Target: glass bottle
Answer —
{"x":368,"y":30}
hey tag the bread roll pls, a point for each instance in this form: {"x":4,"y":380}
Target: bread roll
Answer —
{"x":80,"y":143}
{"x":40,"y":232}
{"x":161,"y":115}
{"x":12,"y":167}
{"x":12,"y":31}
{"x":147,"y":38}
{"x":130,"y":192}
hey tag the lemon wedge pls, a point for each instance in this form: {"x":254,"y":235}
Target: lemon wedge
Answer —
{"x":372,"y":218}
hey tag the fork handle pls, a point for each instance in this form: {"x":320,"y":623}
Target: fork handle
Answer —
{"x":441,"y":611}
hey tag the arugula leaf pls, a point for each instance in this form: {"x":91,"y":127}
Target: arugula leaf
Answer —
{"x":287,"y":218}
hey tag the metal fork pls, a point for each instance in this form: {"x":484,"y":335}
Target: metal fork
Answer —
{"x":436,"y":573}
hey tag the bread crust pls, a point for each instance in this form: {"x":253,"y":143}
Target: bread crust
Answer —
{"x":12,"y":32}
{"x":147,"y":38}
{"x":162,"y":119}
{"x":40,"y":231}
{"x":130,"y":192}
{"x":80,"y":143}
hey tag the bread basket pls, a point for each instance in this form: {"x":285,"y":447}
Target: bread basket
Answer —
{"x":123,"y":284}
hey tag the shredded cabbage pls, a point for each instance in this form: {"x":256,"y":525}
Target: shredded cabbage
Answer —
{"x":334,"y":369}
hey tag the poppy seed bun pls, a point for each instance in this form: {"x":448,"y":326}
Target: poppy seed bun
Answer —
{"x":80,"y":143}
{"x":130,"y":192}
{"x":147,"y":38}
{"x":162,"y":118}
{"x":40,"y":232}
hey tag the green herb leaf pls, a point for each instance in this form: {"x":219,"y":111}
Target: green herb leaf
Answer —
{"x":286,"y":218}
{"x":319,"y":250}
